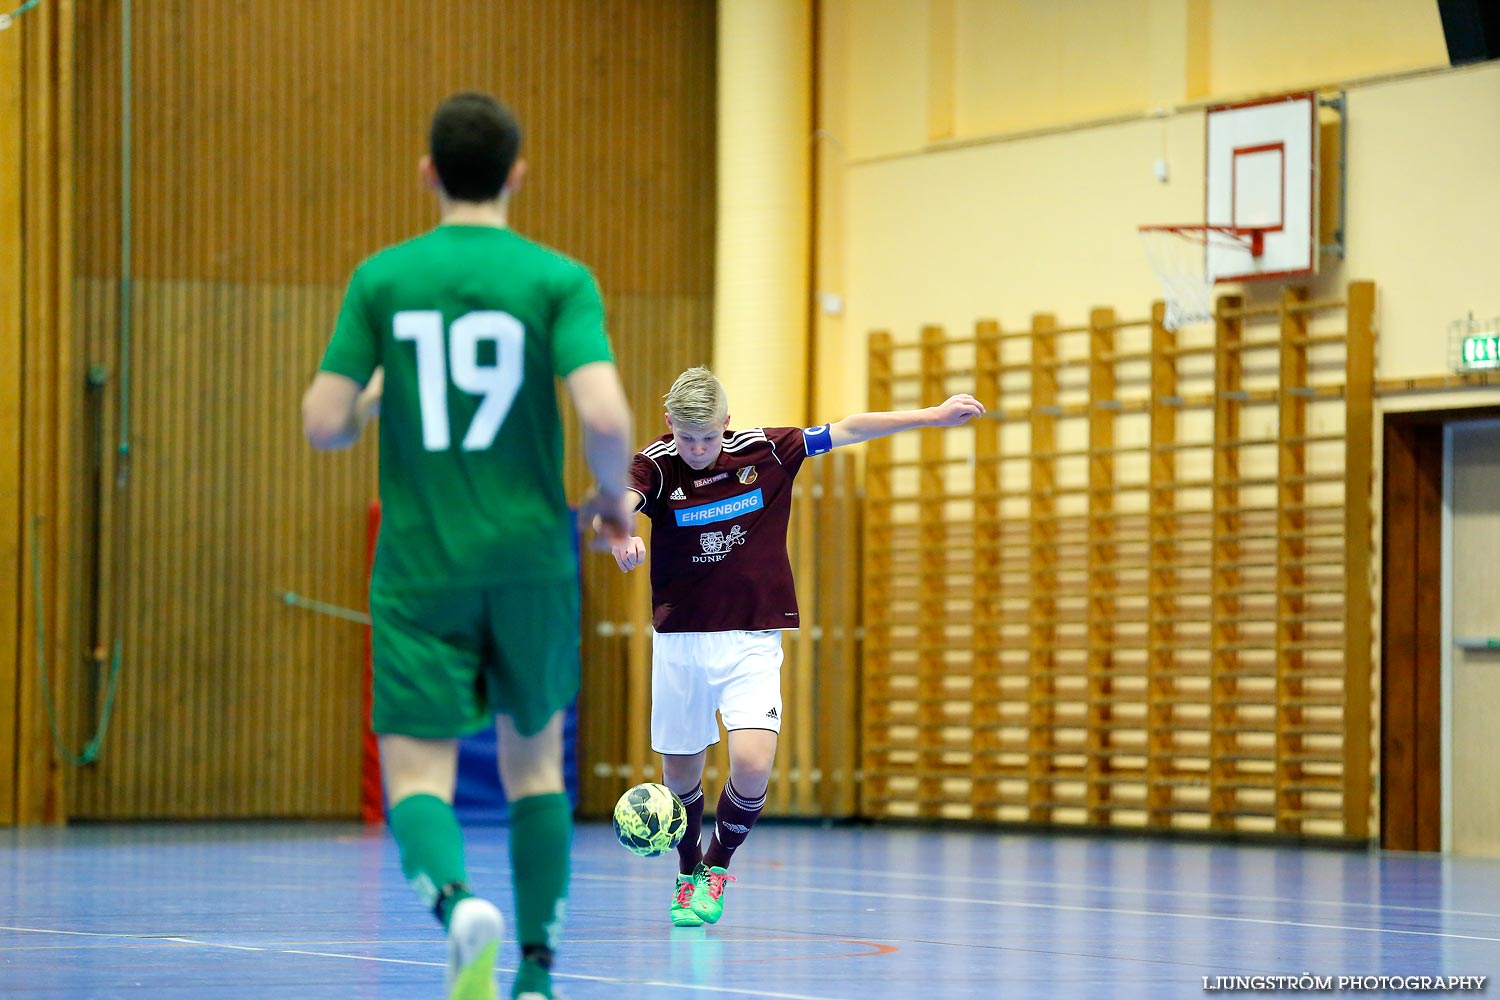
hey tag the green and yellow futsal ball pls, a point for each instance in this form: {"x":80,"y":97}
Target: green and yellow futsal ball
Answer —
{"x":650,"y":819}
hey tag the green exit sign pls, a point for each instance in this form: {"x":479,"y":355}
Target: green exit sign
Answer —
{"x":1480,"y":350}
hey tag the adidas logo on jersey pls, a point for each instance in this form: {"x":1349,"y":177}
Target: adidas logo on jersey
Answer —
{"x":677,"y":494}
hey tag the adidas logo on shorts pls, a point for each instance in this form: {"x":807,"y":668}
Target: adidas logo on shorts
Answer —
{"x":677,"y":494}
{"x":772,"y":714}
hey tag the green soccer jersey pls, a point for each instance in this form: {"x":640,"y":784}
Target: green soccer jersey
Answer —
{"x":471,"y":324}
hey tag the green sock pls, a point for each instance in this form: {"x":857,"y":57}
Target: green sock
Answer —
{"x":432,"y":851}
{"x":531,"y":977}
{"x":541,"y":833}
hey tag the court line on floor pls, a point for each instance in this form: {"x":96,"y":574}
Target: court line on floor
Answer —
{"x":866,"y":873}
{"x":948,"y":900}
{"x":503,"y":970}
{"x":969,"y":879}
{"x":822,"y":873}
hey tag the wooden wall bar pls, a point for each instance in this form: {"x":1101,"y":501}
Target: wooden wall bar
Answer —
{"x":941,"y":689}
{"x":1359,"y":547}
{"x":888,"y":765}
{"x":1049,"y":613}
{"x":988,"y":760}
{"x":12,"y":279}
{"x":1174,"y":703}
{"x":258,"y":184}
{"x":836,"y":600}
{"x":1188,"y":554}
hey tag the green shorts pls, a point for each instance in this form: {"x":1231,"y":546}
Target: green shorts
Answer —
{"x":447,"y":661}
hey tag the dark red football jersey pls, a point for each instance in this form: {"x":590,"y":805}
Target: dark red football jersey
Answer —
{"x":718,"y":535}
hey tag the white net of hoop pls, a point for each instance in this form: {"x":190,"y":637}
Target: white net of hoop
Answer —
{"x":1179,"y":256}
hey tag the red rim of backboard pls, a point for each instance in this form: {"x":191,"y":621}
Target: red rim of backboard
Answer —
{"x":1252,"y":238}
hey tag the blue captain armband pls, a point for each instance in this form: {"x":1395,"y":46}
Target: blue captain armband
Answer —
{"x":819,"y":440}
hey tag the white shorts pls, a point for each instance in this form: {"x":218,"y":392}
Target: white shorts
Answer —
{"x":694,"y":674}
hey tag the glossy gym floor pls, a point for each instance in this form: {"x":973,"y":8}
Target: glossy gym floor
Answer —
{"x":311,"y":911}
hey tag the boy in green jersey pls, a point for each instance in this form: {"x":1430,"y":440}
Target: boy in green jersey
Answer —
{"x":455,"y":337}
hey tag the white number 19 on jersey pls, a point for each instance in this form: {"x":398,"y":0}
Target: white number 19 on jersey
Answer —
{"x":497,"y":383}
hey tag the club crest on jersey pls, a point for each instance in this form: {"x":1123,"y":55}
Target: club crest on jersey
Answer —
{"x":716,"y":544}
{"x":747,"y":475}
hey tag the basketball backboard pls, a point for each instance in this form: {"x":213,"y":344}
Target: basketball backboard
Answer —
{"x":1262,"y":174}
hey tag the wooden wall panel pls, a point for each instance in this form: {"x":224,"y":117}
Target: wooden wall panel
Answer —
{"x":231,"y":703}
{"x":280,"y":144}
{"x":274,"y":148}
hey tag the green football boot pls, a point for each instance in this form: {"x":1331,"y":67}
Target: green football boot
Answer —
{"x":707,"y":899}
{"x":476,"y":981}
{"x":682,"y":911}
{"x":474,"y":931}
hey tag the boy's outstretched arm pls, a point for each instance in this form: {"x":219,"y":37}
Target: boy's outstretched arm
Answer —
{"x":953,"y":411}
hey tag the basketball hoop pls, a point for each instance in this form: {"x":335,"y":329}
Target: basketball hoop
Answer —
{"x":1179,"y":256}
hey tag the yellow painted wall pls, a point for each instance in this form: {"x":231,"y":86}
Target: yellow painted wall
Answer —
{"x":1005,"y":230}
{"x":883,"y":44}
{"x":1048,"y":223}
{"x":1276,"y":45}
{"x":912,"y":232}
{"x":1028,"y":63}
{"x":764,"y":184}
{"x":1424,"y":189}
{"x":988,"y":67}
{"x":828,"y":335}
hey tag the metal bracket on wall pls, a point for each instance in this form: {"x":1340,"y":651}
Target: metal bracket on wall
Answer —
{"x":1477,"y":642}
{"x":1340,"y":105}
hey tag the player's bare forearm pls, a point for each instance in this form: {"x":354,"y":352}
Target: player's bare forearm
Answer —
{"x":604,"y":415}
{"x":335,"y":409}
{"x":860,"y":427}
{"x":607,"y":454}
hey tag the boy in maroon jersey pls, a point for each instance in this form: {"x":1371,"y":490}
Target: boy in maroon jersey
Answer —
{"x":721,"y":591}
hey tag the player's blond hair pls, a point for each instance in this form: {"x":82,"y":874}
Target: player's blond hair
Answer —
{"x":697,"y":398}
